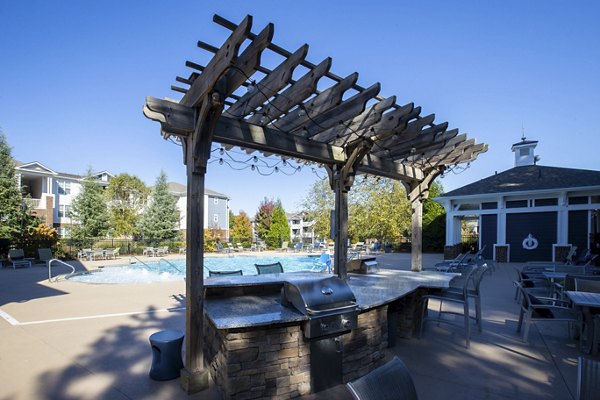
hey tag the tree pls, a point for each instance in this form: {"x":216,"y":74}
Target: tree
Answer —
{"x":231,"y":218}
{"x":434,"y":220}
{"x":160,"y":219}
{"x":378,"y":208}
{"x":263,"y":218}
{"x":89,"y":212}
{"x":317,"y":205}
{"x":126,"y":195}
{"x":242,"y":229}
{"x":280,"y":229}
{"x":10,"y":194}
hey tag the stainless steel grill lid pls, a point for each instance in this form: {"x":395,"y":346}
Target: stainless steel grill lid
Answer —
{"x":320,"y":295}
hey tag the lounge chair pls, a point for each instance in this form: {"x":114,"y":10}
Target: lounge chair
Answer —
{"x":274,"y":268}
{"x":323,"y":263}
{"x":239,"y":247}
{"x":284,"y":246}
{"x":298,"y":247}
{"x":45,"y":255}
{"x":17,"y":258}
{"x":148,"y":251}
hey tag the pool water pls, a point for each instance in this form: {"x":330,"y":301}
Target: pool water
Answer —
{"x":174,"y":270}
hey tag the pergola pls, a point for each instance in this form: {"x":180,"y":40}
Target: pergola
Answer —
{"x":346,"y":128}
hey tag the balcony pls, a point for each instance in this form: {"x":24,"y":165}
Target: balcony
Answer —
{"x":32,"y":203}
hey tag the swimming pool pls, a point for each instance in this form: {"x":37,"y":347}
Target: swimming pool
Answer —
{"x":174,"y":270}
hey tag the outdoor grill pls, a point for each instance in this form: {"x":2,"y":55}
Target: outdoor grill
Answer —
{"x":328,"y":302}
{"x":332,"y":311}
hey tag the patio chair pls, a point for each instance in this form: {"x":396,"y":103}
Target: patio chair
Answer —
{"x":224,"y":273}
{"x":222,"y":249}
{"x":532,"y":279}
{"x":588,"y":378}
{"x":298,"y":247}
{"x":391,"y":381}
{"x":148,"y":251}
{"x":239,"y":247}
{"x":543,"y":309}
{"x":460,"y":297}
{"x":112,"y":253}
{"x":473,"y":290}
{"x":284,"y":246}
{"x":17,"y":258}
{"x":587,"y":285}
{"x":274,"y":268}
{"x":45,"y":255}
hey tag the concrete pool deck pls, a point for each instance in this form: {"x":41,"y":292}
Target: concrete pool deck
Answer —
{"x":70,"y":340}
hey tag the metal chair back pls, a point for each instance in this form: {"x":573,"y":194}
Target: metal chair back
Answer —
{"x":274,"y":268}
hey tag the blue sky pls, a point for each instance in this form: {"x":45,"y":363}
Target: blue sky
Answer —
{"x":74,"y":76}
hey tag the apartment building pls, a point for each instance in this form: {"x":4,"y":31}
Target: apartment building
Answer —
{"x":50,"y":194}
{"x":301,"y":229}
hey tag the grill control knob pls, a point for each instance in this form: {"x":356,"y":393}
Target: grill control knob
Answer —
{"x":324,"y":326}
{"x":346,"y":324}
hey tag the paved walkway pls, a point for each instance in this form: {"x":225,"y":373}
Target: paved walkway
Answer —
{"x":69,"y":340}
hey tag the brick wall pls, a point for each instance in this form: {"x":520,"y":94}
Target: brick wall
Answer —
{"x":273,"y":362}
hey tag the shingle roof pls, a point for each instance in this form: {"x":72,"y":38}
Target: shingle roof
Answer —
{"x":175,"y":187}
{"x":528,"y":178}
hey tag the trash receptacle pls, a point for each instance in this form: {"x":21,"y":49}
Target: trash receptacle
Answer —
{"x":166,"y":355}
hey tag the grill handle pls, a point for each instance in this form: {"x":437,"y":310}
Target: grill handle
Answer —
{"x":331,"y":310}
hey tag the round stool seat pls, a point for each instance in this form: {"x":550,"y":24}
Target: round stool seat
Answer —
{"x":166,"y":355}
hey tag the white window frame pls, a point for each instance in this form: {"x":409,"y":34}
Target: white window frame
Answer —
{"x":64,"y":210}
{"x":64,"y":187}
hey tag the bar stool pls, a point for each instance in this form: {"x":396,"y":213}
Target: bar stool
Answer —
{"x":166,"y":355}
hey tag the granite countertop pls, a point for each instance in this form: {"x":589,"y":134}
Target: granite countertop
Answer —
{"x":370,"y":290}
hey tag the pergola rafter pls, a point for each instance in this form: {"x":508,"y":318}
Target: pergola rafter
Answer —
{"x":347,"y":128}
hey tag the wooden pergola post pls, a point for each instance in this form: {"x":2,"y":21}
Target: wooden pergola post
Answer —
{"x":341,"y":179}
{"x":196,"y":147}
{"x":417,"y":192}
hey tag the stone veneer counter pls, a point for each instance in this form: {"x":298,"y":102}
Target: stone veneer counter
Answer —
{"x":231,"y":310}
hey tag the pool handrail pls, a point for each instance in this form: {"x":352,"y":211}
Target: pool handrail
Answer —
{"x":146,"y":265}
{"x":57,"y":276}
{"x":170,"y":263}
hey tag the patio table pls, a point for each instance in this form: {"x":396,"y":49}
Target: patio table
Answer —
{"x":586,"y":301}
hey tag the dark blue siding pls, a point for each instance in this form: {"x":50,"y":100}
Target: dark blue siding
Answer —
{"x":489,"y":234}
{"x":542,"y":226}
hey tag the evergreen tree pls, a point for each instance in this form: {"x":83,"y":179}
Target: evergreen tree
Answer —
{"x":10,"y":194}
{"x":89,"y":213}
{"x":263,"y":218}
{"x":280,"y":229}
{"x":242,"y":229}
{"x":126,"y":195}
{"x":434,"y":220}
{"x":160,"y":219}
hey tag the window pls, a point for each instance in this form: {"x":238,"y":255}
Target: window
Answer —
{"x":489,"y":206}
{"x":467,"y":206}
{"x":216,"y":218}
{"x":64,"y":232}
{"x":524,"y":152}
{"x":545,"y":202}
{"x":216,"y":200}
{"x":516,"y":204}
{"x":578,"y":200}
{"x":64,"y":187}
{"x":64,"y":210}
